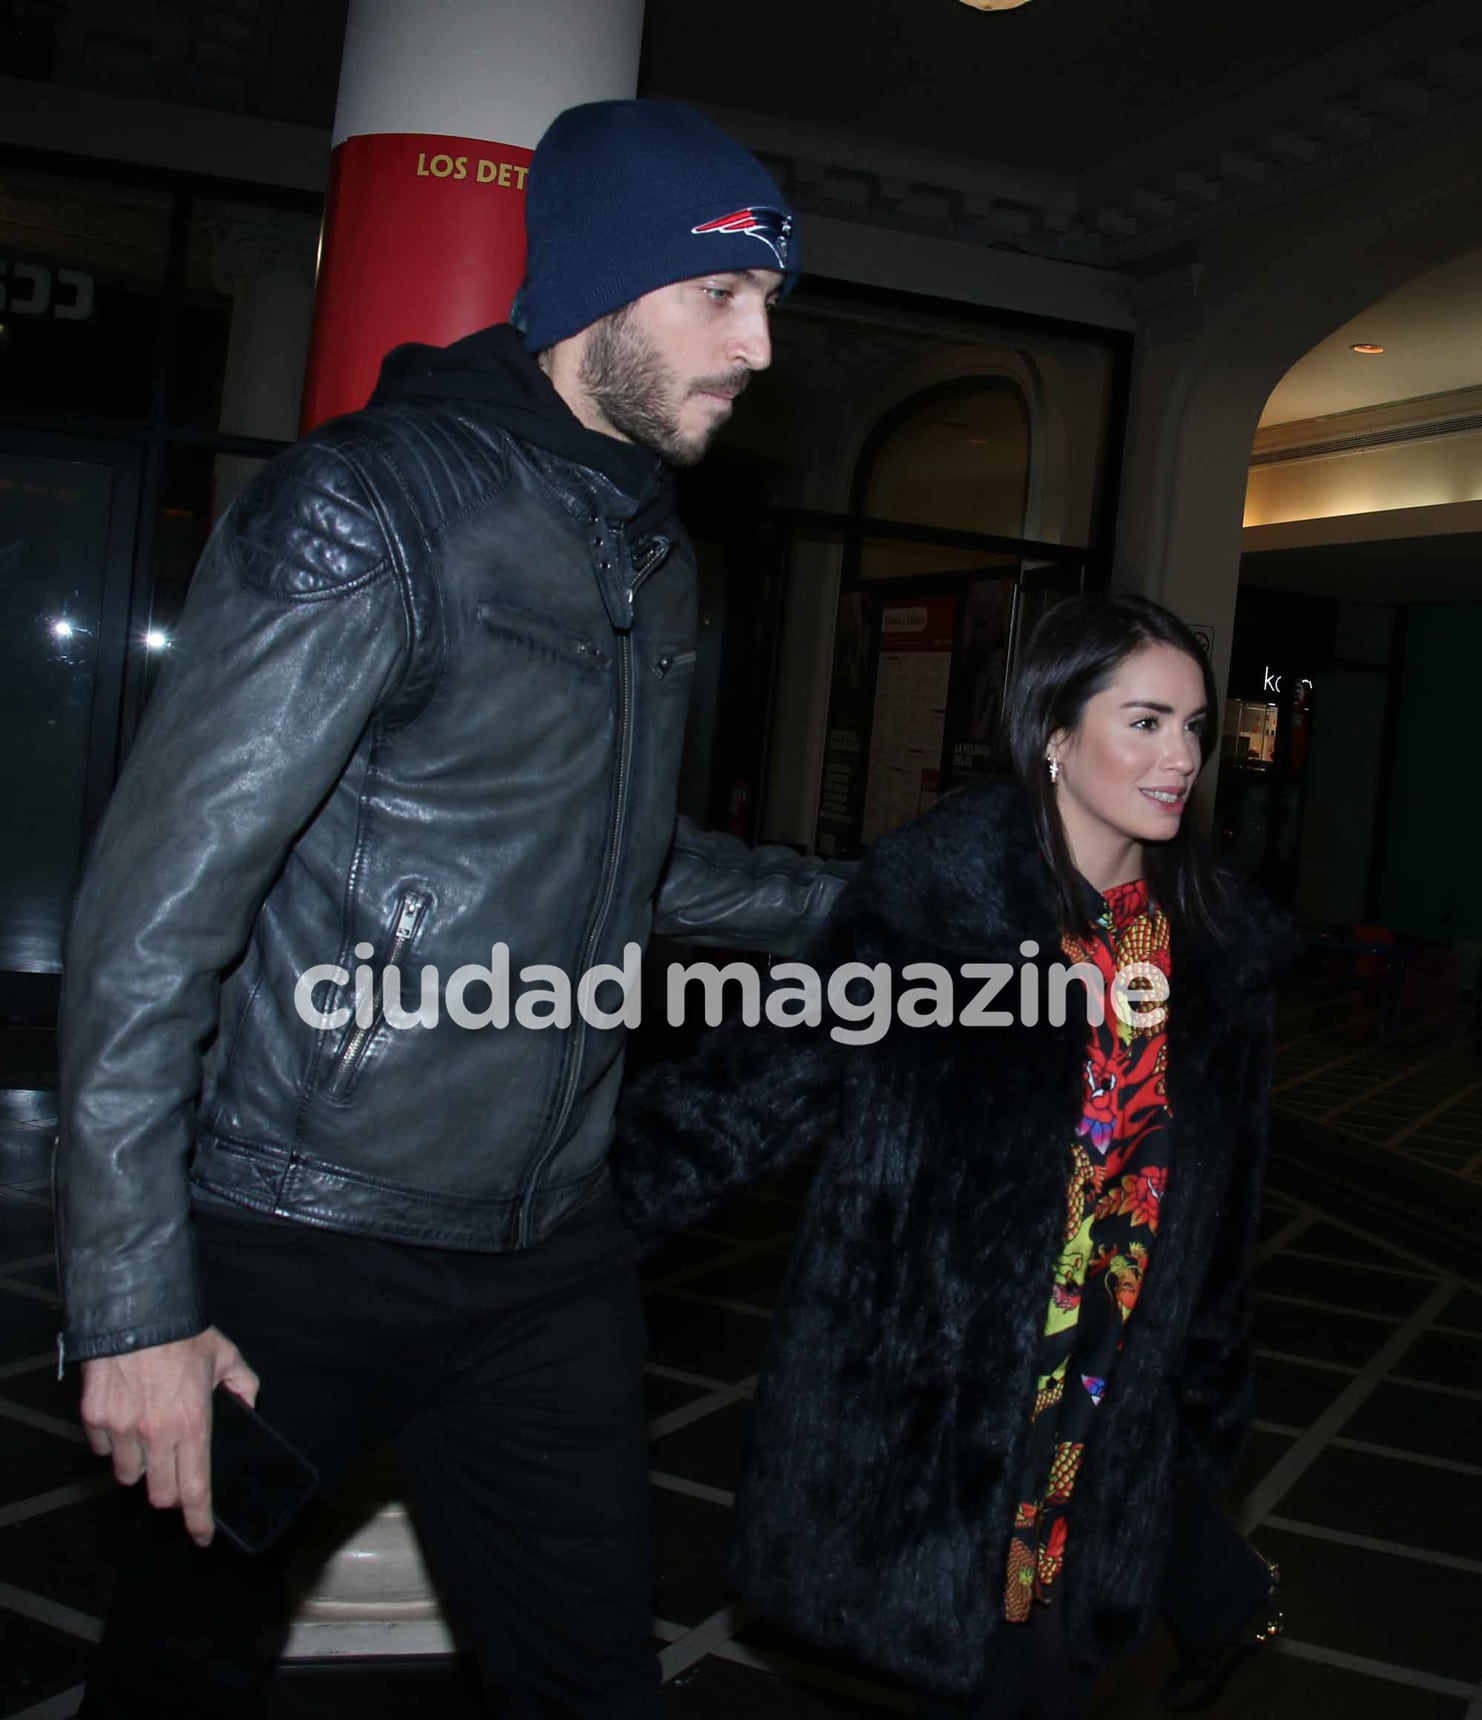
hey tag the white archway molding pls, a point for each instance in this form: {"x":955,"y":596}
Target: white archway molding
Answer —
{"x":1215,"y":337}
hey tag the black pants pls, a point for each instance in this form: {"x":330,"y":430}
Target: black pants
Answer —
{"x":510,"y":1388}
{"x":1031,"y":1676}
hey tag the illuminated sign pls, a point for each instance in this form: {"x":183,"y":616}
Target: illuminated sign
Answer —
{"x":33,"y":290}
{"x":1271,"y":683}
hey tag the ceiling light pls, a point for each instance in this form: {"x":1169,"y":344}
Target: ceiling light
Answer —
{"x":1366,"y":346}
{"x":154,"y":640}
{"x":994,"y":5}
{"x":62,"y":629}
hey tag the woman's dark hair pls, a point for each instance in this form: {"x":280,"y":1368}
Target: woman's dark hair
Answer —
{"x":1071,"y":655}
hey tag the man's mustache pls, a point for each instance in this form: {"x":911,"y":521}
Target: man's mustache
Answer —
{"x":731,"y":384}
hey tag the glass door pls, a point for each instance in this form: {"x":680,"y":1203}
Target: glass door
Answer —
{"x":68,"y":511}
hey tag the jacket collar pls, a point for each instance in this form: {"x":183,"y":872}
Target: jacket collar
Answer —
{"x":966,"y":877}
{"x":492,"y":368}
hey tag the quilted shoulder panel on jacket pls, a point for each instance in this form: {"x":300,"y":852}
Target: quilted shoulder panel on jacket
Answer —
{"x":307,"y":526}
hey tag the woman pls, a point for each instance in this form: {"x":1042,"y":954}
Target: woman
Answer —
{"x":1015,"y":1314}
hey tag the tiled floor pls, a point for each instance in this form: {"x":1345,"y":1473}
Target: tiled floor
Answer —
{"x":1363,"y":1479}
{"x":1415,"y":1091}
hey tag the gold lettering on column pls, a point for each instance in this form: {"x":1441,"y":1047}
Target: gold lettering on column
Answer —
{"x":486,"y":171}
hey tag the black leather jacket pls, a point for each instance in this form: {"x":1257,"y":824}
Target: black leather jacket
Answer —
{"x":428,"y":696}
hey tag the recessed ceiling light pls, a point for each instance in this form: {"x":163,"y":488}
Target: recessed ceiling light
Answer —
{"x":1366,"y":346}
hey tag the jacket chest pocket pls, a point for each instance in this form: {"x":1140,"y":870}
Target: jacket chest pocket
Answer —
{"x":554,"y":640}
{"x":674,"y":665}
{"x":368,"y":1015}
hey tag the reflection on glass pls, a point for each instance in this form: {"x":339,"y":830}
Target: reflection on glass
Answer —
{"x":980,"y":674}
{"x":53,"y":540}
{"x":81,"y":271}
{"x":198,"y":486}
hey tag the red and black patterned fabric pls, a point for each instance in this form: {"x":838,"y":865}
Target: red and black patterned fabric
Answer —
{"x":1118,"y":1177}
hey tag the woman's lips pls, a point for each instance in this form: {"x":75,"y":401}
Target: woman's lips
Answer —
{"x":1170,"y":800}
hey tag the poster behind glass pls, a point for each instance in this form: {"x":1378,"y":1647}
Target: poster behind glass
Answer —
{"x":917,"y":704}
{"x":909,"y":718}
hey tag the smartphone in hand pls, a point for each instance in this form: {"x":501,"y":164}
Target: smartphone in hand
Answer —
{"x":259,"y":1483}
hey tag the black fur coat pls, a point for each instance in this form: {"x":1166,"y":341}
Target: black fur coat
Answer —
{"x":890,"y":1421}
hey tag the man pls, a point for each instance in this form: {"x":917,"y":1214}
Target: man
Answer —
{"x":427,"y":698}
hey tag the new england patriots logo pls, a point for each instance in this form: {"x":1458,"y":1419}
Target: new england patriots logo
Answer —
{"x":772,"y":226}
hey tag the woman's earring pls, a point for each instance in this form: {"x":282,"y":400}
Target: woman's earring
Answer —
{"x":1054,"y":764}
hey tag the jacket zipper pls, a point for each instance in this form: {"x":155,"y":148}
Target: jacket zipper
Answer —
{"x":411,"y":909}
{"x":577,"y":1043}
{"x":56,"y":1252}
{"x":657,"y":550}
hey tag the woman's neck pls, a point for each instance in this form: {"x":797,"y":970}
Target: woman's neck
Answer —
{"x":1104,"y":859}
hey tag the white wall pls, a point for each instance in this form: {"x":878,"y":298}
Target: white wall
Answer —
{"x":1432,"y":471}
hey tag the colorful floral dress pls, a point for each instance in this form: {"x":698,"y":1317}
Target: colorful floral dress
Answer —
{"x":1119,"y":1173}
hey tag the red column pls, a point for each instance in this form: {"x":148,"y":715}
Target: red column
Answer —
{"x":440,"y":108}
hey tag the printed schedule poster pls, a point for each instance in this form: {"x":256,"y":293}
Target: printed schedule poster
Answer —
{"x":910,"y":710}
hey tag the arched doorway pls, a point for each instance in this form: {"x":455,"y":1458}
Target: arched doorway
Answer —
{"x":1359,"y":618}
{"x":1219,"y":331}
{"x":936,"y":577}
{"x":955,"y":456}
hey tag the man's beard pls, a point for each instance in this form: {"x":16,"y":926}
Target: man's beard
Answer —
{"x":627,"y":380}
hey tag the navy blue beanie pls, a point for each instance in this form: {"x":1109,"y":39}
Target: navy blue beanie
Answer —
{"x":627,"y":196}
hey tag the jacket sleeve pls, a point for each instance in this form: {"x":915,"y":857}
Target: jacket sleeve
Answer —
{"x":716,"y":890}
{"x":1216,"y":1378}
{"x":748,"y":1103}
{"x":293,"y":629}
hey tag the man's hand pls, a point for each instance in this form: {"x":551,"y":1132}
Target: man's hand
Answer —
{"x":150,"y":1410}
